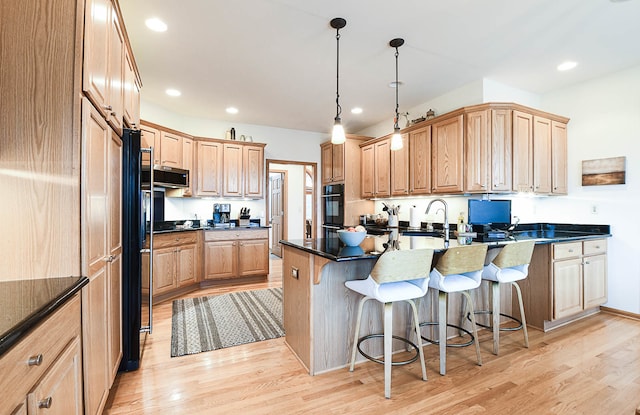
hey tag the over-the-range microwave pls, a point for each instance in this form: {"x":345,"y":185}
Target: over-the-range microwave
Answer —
{"x":164,"y":176}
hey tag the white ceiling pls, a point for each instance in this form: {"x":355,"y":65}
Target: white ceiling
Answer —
{"x":275,"y":60}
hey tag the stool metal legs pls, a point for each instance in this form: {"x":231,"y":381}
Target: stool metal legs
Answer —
{"x":388,"y":338}
{"x":442,"y":329}
{"x":495,"y":311}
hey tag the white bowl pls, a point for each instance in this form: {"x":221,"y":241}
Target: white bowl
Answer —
{"x":351,"y":238}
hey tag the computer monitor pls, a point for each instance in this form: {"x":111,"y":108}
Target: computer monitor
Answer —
{"x":496,"y":213}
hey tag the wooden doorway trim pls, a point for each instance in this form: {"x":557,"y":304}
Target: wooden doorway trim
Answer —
{"x":283,"y":176}
{"x":314,"y":167}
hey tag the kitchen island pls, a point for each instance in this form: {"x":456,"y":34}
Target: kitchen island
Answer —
{"x":320,"y":312}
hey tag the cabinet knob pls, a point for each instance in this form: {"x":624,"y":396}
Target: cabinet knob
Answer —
{"x":45,"y":403}
{"x":570,"y":250}
{"x":586,"y":262}
{"x":35,"y":360}
{"x":107,"y":107}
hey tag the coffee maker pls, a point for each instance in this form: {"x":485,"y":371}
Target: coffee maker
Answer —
{"x":221,"y":214}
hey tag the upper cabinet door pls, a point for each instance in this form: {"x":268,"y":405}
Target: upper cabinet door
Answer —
{"x":115,"y":101}
{"x":150,"y":137}
{"x":420,"y":161}
{"x":559,"y":158}
{"x":522,"y":152}
{"x":477,"y":147}
{"x":382,"y":168}
{"x":400,"y":169}
{"x":337,"y":162}
{"x":253,"y":167}
{"x":542,"y":155}
{"x":131,"y":110}
{"x":170,"y":150}
{"x":209,"y":168}
{"x":448,"y":155}
{"x":367,"y":154}
{"x":96,"y":52}
{"x":232,"y":170}
{"x":501,"y":147}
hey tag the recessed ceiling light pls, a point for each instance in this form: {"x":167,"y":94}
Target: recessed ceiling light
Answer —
{"x":156,"y":24}
{"x":565,"y":66}
{"x":392,"y":84}
{"x":232,"y":110}
{"x":356,"y":110}
{"x":173,"y":92}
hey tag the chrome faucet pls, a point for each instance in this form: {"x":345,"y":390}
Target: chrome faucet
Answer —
{"x":446,"y":219}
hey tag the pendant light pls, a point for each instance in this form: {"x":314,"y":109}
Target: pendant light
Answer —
{"x":338,"y":137}
{"x":396,"y":138}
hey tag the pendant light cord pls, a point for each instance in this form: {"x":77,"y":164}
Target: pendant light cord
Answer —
{"x":338,"y":107}
{"x":395,"y":125}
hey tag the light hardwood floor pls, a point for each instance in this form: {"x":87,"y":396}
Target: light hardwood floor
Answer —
{"x":589,"y":367}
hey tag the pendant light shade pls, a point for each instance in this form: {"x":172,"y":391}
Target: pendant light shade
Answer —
{"x":396,"y":138}
{"x":337,"y":136}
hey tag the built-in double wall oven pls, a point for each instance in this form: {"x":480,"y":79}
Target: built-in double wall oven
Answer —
{"x":332,"y":208}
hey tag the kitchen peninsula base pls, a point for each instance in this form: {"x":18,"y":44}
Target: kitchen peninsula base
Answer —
{"x":320,"y":312}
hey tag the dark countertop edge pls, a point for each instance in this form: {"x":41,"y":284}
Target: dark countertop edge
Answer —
{"x":492,"y":244}
{"x":13,"y":336}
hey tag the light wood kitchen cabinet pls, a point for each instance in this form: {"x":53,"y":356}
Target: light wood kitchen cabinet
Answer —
{"x":477,"y":151}
{"x":447,"y":158}
{"x":531,"y":153}
{"x":541,"y":155}
{"x":522,"y":152}
{"x":176,"y":263}
{"x":131,"y":92}
{"x":55,"y":342}
{"x":103,"y":61}
{"x":150,"y":137}
{"x":559,"y":158}
{"x":501,"y":150}
{"x":487,"y":150}
{"x":376,"y":169}
{"x":236,"y":253}
{"x":59,"y":391}
{"x":102,"y":161}
{"x":253,"y":171}
{"x":332,"y":161}
{"x":420,"y":161}
{"x":170,"y":149}
{"x":243,"y":171}
{"x":209,"y":168}
{"x":579,"y":277}
{"x":188,"y":155}
{"x":232,"y":170}
{"x":400,"y":169}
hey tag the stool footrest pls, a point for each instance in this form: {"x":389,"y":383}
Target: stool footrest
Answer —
{"x":373,"y":359}
{"x":465,"y":344}
{"x":518,"y":327}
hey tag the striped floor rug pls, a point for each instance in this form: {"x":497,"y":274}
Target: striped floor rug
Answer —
{"x":210,"y":323}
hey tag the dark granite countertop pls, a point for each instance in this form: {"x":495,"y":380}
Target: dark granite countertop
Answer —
{"x":208,"y":228}
{"x":403,"y":238}
{"x":25,"y":303}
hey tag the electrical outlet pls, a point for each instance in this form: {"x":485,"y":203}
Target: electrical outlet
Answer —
{"x":294,"y":272}
{"x":594,"y":209}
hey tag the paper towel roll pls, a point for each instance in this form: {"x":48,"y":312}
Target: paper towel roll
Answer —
{"x":414,"y":217}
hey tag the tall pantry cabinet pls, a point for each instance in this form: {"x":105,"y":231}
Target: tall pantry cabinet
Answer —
{"x":110,"y":103}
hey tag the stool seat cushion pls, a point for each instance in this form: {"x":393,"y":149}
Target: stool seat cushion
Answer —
{"x":455,"y":282}
{"x":492,"y":272}
{"x":390,"y":291}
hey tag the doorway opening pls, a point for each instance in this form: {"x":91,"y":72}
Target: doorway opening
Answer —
{"x":291,"y":201}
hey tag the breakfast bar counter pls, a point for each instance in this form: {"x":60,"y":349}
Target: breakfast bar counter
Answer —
{"x":320,"y":312}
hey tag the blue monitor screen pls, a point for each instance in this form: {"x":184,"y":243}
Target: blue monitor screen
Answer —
{"x":487,"y":212}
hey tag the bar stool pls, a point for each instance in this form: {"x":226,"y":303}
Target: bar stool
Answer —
{"x":458,"y":270}
{"x":396,"y":276}
{"x":510,"y":265}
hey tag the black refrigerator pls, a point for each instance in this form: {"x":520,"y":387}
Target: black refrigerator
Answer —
{"x":137,"y":206}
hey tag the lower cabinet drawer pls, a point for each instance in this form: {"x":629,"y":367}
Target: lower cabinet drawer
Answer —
{"x":23,"y":365}
{"x":567,"y":250}
{"x":596,"y":246}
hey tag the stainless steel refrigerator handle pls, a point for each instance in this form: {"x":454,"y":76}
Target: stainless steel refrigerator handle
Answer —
{"x":149,"y":328}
